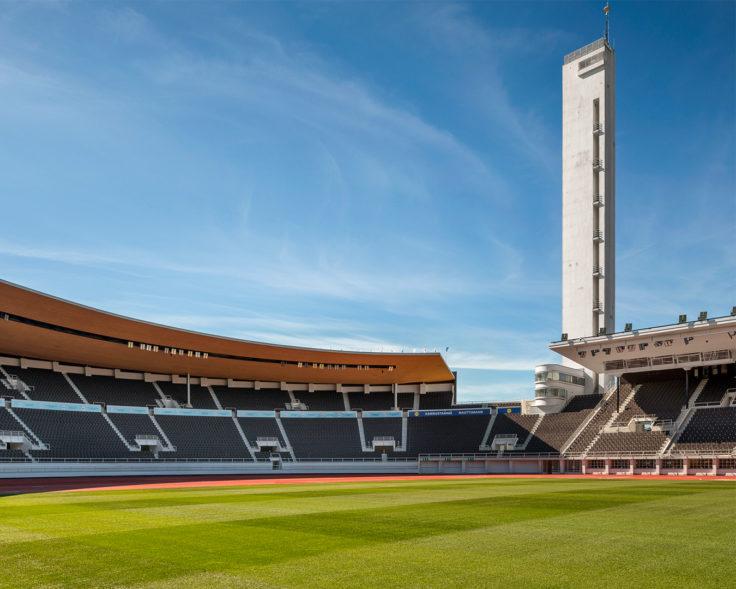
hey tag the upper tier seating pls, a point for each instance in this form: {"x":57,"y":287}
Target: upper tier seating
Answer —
{"x":203,"y":437}
{"x":372,"y":401}
{"x":45,"y":385}
{"x":405,"y":400}
{"x":323,"y":438}
{"x":715,"y":388}
{"x":73,"y":434}
{"x":321,"y":400}
{"x":442,"y":434}
{"x":629,"y":442}
{"x":582,"y":402}
{"x":663,"y":399}
{"x":131,"y":425}
{"x":710,"y":429}
{"x":200,"y":396}
{"x":441,"y":400}
{"x":115,"y":391}
{"x":250,"y":399}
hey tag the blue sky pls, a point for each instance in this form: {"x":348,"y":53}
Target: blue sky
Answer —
{"x":375,"y":176}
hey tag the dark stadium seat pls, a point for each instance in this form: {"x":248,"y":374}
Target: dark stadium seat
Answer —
{"x":629,"y":442}
{"x":131,"y":425}
{"x":250,"y":399}
{"x":433,"y":400}
{"x":715,"y":388}
{"x":203,"y":437}
{"x":374,"y":427}
{"x":377,"y":401}
{"x":73,"y":434}
{"x":116,"y":391}
{"x":200,"y":396}
{"x":710,"y":429}
{"x":46,"y":385}
{"x":321,"y":400}
{"x":324,"y":438}
{"x":441,"y":434}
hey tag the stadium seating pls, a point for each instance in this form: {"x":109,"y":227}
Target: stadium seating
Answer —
{"x":250,"y":399}
{"x":440,"y":434}
{"x":73,"y":434}
{"x":372,"y":401}
{"x":261,"y":427}
{"x":603,"y":413}
{"x":662,"y":399}
{"x":45,"y":385}
{"x":115,"y":391}
{"x":629,"y":442}
{"x":715,"y":388}
{"x":375,"y":427}
{"x":322,"y":400}
{"x":512,"y":424}
{"x":554,"y":430}
{"x":710,"y":429}
{"x":200,"y":397}
{"x":203,"y":437}
{"x":435,"y":400}
{"x":323,"y":438}
{"x":131,"y":425}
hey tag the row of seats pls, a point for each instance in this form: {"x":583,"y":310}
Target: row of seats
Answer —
{"x":46,"y":385}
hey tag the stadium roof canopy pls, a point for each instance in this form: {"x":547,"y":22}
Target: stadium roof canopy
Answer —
{"x":39,"y":326}
{"x":682,"y":345}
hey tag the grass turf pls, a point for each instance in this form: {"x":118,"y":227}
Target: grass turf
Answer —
{"x":446,"y":533}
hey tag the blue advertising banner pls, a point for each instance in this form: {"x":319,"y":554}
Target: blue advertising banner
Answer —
{"x":442,"y":412}
{"x":128,"y":410}
{"x":370,"y":414}
{"x":245,"y":413}
{"x":318,"y":414}
{"x":192,"y":412}
{"x":54,"y":406}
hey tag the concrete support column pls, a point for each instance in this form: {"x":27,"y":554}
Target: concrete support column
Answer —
{"x":632,"y":463}
{"x":685,"y":466}
{"x":714,"y":470}
{"x":511,"y":466}
{"x":583,"y":466}
{"x":658,"y":466}
{"x":608,"y":466}
{"x":562,"y":467}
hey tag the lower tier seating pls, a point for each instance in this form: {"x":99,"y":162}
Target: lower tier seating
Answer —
{"x":715,"y":388}
{"x":662,"y":399}
{"x":710,"y":429}
{"x":203,"y":437}
{"x":132,"y":425}
{"x":629,"y":442}
{"x":73,"y":434}
{"x":255,"y":427}
{"x":377,"y":401}
{"x":554,"y":430}
{"x":440,"y":434}
{"x":322,"y":400}
{"x":324,"y":438}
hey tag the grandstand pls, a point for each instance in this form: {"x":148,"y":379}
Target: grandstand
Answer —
{"x":83,"y":391}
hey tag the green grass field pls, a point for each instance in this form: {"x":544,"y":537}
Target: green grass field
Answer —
{"x":424,"y":533}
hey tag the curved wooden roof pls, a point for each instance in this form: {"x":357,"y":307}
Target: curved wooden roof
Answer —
{"x":37,"y":325}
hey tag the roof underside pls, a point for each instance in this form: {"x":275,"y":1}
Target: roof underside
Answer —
{"x":685,"y":345}
{"x":40,"y":326}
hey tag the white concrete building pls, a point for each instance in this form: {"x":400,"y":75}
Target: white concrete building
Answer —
{"x":588,"y":213}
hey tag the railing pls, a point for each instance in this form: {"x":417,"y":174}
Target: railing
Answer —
{"x":148,"y":437}
{"x":598,"y":164}
{"x":598,"y":128}
{"x":13,"y":433}
{"x":598,"y":200}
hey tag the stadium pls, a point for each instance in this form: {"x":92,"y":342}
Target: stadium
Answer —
{"x":139,"y":454}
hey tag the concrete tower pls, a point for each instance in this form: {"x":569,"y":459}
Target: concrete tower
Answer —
{"x":588,"y":190}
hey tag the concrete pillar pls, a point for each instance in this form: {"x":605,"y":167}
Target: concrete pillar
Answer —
{"x":583,"y":466}
{"x":632,"y":464}
{"x":658,"y":466}
{"x":714,"y":470}
{"x":607,"y":469}
{"x":562,"y":467}
{"x":685,"y":466}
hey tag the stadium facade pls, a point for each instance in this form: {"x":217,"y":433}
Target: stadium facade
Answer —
{"x":85,"y":392}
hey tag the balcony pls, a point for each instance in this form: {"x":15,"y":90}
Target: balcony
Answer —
{"x":598,"y":236}
{"x":598,"y":201}
{"x":598,"y":165}
{"x":598,"y":307}
{"x":597,"y":128}
{"x":598,"y":271}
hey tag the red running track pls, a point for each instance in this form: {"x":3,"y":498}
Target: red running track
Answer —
{"x":43,"y":485}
